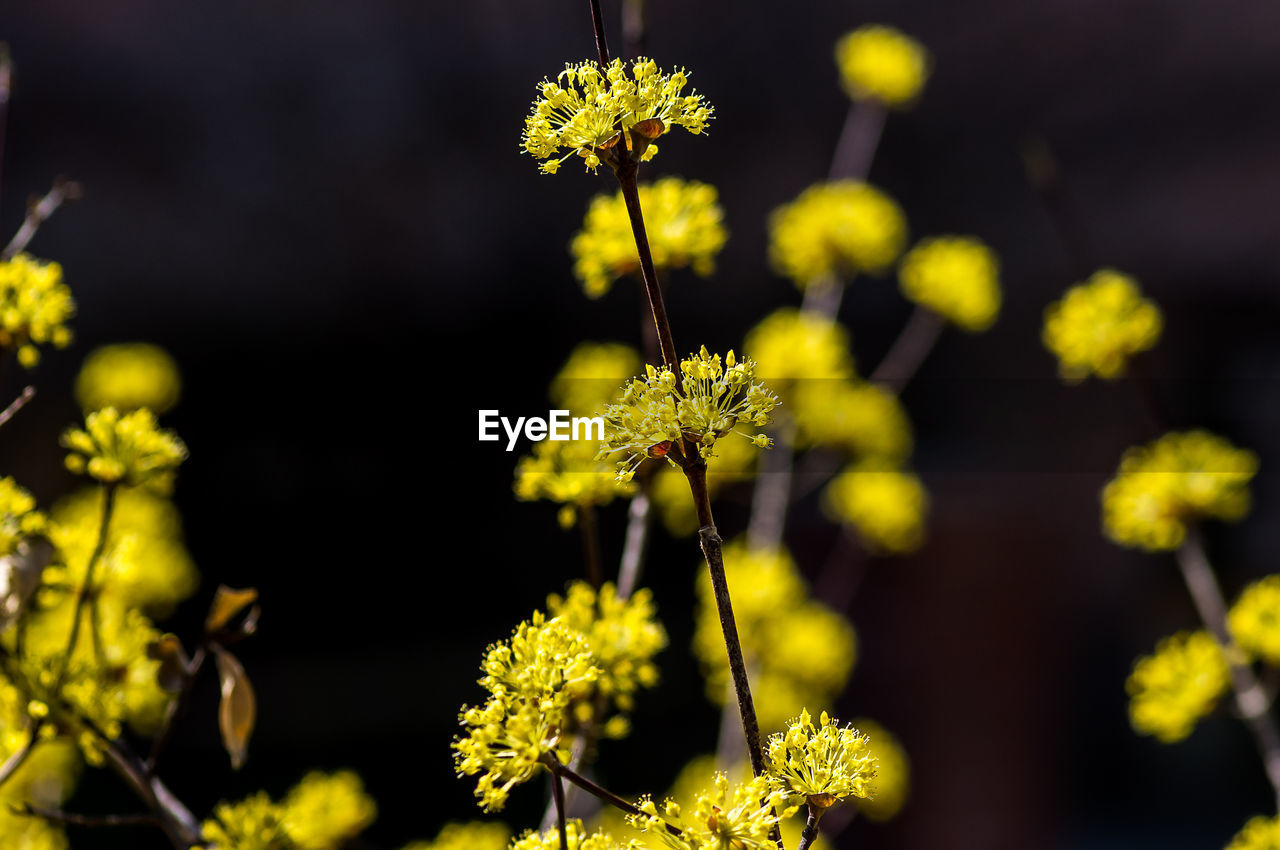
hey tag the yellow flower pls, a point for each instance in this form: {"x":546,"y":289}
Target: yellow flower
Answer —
{"x":586,"y":107}
{"x":713,"y":401}
{"x":860,"y":417}
{"x":823,"y":764}
{"x":1181,"y":477}
{"x":34,"y":307}
{"x":325,"y":811}
{"x":682,"y":219}
{"x":1260,"y":833}
{"x":955,"y":276}
{"x":893,"y":773}
{"x":251,"y":824}
{"x":845,"y":227}
{"x":129,"y":449}
{"x":1255,"y":620}
{"x":793,"y":345}
{"x":879,"y":63}
{"x":590,"y":377}
{"x":623,"y":634}
{"x":531,"y":679}
{"x":1098,"y":325}
{"x":887,"y":507}
{"x":1180,"y":684}
{"x":18,"y":516}
{"x":566,"y":471}
{"x":576,"y":837}
{"x":127,"y":376}
{"x":474,"y":835}
{"x":741,"y":818}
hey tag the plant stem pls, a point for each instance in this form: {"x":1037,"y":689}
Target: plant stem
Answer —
{"x":38,"y":213}
{"x":19,"y":756}
{"x":17,"y":404}
{"x":626,"y":172}
{"x":604,"y":794}
{"x":557,"y":793}
{"x":590,"y":544}
{"x":810,"y":828}
{"x":639,"y":519}
{"x":773,"y":489}
{"x":176,"y":707}
{"x":86,"y":587}
{"x":1251,"y":698}
{"x":909,"y":350}
{"x":858,"y":141}
{"x":602,"y":43}
{"x":96,"y":821}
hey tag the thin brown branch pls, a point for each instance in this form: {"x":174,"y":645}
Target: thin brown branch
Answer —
{"x":810,"y":828}
{"x":86,"y":587}
{"x":909,"y":350}
{"x":589,"y":529}
{"x":1251,"y":698}
{"x":19,"y":756}
{"x":631,"y":196}
{"x":773,"y":490}
{"x":63,"y":191}
{"x":176,"y":707}
{"x":858,"y":141}
{"x":6,"y":88}
{"x":604,"y":794}
{"x":92,"y":821}
{"x":602,"y":43}
{"x":17,"y":404}
{"x":639,"y":521}
{"x":557,"y":794}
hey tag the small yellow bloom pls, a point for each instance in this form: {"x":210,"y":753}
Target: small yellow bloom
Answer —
{"x":792,"y":345}
{"x":682,"y":219}
{"x":823,"y":762}
{"x":589,"y":379}
{"x":251,"y":824}
{"x":887,"y":507}
{"x":880,"y":63}
{"x":474,"y":835}
{"x":576,"y":837}
{"x":860,"y":417}
{"x":956,"y":277}
{"x":129,"y":449}
{"x":128,"y":376}
{"x":834,"y":229}
{"x":1098,"y":325}
{"x":35,"y":306}
{"x":586,"y":107}
{"x":325,"y":811}
{"x":1260,"y":833}
{"x":18,"y":516}
{"x":1181,"y":477}
{"x":1180,"y":684}
{"x":741,"y":818}
{"x":566,"y":471}
{"x":1255,"y":620}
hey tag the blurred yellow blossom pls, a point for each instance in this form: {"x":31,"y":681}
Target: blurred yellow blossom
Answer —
{"x":859,"y":417}
{"x":250,"y":824}
{"x":34,"y":307}
{"x":567,"y":472}
{"x":1180,"y":684}
{"x":652,"y":417}
{"x":822,"y":764}
{"x":1179,"y":478}
{"x":1260,"y":833}
{"x":325,"y":811}
{"x":1099,"y":324}
{"x":623,"y":634}
{"x":590,"y":377}
{"x":796,"y":345}
{"x":741,"y":817}
{"x":576,"y":838}
{"x":127,"y":376}
{"x":1255,"y":620}
{"x":885,"y":506}
{"x":892,"y":783}
{"x":683,"y":222}
{"x":124,"y":449}
{"x":18,"y":515}
{"x":586,"y":106}
{"x":956,"y":277}
{"x":834,"y":229}
{"x":880,"y":63}
{"x":473,"y":835}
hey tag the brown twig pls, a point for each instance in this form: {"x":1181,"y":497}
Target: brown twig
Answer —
{"x":6,"y":88}
{"x":19,"y":756}
{"x":17,"y":404}
{"x":627,"y":171}
{"x":557,"y":794}
{"x":590,"y":544}
{"x":93,"y":821}
{"x":176,"y":706}
{"x":639,"y":521}
{"x":810,"y":828}
{"x":604,"y":794}
{"x":909,"y":350}
{"x":602,"y":43}
{"x":63,"y":191}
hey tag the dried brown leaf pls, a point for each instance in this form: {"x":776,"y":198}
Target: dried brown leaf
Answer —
{"x":238,"y":709}
{"x":227,"y":603}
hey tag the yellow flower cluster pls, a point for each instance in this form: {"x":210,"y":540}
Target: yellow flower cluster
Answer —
{"x":576,"y":838}
{"x":474,"y":835}
{"x":127,"y":376}
{"x":683,"y":221}
{"x":325,"y":811}
{"x":250,"y":824}
{"x":880,"y":63}
{"x":886,"y":506}
{"x":1260,"y":833}
{"x":956,"y":277}
{"x":833,"y":229}
{"x":586,"y":107}
{"x":531,"y":679}
{"x":821,"y":765}
{"x":1255,"y":620}
{"x":857,"y":416}
{"x":590,"y":377}
{"x":623,"y":634}
{"x":893,"y":773}
{"x":34,"y":307}
{"x":567,"y":472}
{"x":721,"y":818}
{"x":144,"y":563}
{"x":47,"y":777}
{"x":652,"y":416}
{"x":1180,"y":684}
{"x":1098,"y":325}
{"x":1179,"y":478}
{"x":125,"y":449}
{"x":799,"y":650}
{"x":791,"y":346}
{"x":19,"y":518}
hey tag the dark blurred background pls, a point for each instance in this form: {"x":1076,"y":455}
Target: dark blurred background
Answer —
{"x":321,"y":210}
